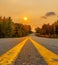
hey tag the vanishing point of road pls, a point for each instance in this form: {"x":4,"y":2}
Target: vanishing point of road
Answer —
{"x":30,"y":50}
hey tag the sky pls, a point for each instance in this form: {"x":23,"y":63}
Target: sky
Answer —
{"x":32,"y":9}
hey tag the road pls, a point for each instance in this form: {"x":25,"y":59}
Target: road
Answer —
{"x":8,"y":43}
{"x":30,"y":50}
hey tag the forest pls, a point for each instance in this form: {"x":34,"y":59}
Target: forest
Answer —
{"x":48,"y":30}
{"x":10,"y":29}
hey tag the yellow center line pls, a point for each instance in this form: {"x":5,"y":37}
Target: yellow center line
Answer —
{"x":10,"y":56}
{"x":50,"y":57}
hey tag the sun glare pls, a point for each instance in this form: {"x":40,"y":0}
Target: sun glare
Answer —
{"x":25,"y":18}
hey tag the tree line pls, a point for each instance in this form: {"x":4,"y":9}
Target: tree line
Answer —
{"x":48,"y":30}
{"x":10,"y":29}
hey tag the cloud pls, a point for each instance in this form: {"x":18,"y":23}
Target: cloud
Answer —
{"x":50,"y":14}
{"x":44,"y":17}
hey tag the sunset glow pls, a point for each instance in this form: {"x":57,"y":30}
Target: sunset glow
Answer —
{"x":23,"y":10}
{"x":29,"y":28}
{"x":25,"y":18}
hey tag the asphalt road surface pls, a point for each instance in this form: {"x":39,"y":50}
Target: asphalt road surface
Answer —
{"x":51,"y":44}
{"x":29,"y":56}
{"x":8,"y":43}
{"x":30,"y":50}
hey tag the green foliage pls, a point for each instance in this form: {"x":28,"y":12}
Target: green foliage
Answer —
{"x":48,"y":29}
{"x":10,"y":29}
{"x":38,"y":30}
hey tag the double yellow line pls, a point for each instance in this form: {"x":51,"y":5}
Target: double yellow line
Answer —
{"x":50,"y":57}
{"x":10,"y":56}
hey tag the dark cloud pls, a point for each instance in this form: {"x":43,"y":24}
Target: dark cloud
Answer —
{"x":50,"y":14}
{"x":44,"y":17}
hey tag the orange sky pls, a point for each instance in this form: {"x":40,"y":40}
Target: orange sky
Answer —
{"x":33,"y":9}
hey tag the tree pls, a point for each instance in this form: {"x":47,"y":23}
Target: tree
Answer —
{"x":10,"y":29}
{"x":38,"y":30}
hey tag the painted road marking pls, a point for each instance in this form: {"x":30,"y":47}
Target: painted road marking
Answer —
{"x":9,"y":57}
{"x":45,"y":53}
